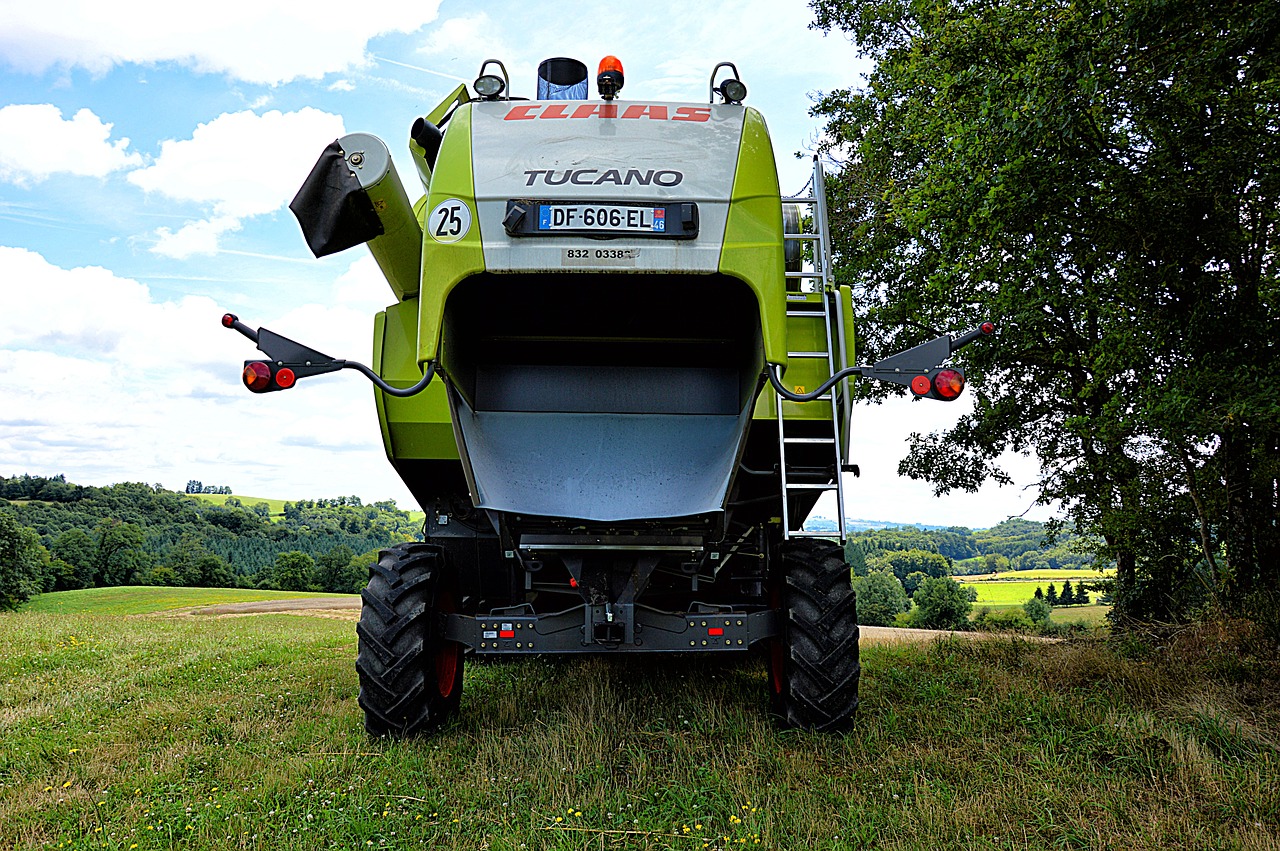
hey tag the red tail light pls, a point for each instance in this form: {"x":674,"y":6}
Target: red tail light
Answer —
{"x":948,"y":384}
{"x":257,"y":376}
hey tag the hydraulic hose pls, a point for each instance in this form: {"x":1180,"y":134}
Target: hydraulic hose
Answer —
{"x":387,"y":388}
{"x":848,"y":372}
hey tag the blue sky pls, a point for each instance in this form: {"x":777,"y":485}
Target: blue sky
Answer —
{"x":147,"y":158}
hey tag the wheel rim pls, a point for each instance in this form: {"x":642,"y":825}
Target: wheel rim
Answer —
{"x":448,"y":653}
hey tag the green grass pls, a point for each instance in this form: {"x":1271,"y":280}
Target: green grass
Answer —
{"x":276,"y":505}
{"x":210,"y":733}
{"x":1003,"y":593}
{"x":1041,"y":576}
{"x":145,"y":599}
{"x":1087,"y":615}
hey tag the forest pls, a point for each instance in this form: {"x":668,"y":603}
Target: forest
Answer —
{"x":57,"y":536}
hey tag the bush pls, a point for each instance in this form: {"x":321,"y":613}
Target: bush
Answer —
{"x":941,"y":603}
{"x":880,"y":598}
{"x":1004,"y":620}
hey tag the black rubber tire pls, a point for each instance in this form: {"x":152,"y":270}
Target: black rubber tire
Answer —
{"x":813,"y":664}
{"x":410,"y":677}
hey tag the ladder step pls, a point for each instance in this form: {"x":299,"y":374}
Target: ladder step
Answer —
{"x":801,"y":533}
{"x":828,"y":487}
{"x":799,"y":199}
{"x":809,"y":439}
{"x":817,"y":314}
{"x":807,"y":237}
{"x":804,"y":274}
{"x":808,"y":354}
{"x":825,"y":397}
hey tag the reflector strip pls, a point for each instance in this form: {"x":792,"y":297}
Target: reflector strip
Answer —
{"x":715,"y":630}
{"x":507,"y":633}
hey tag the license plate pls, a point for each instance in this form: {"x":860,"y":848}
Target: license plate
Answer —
{"x":571,"y":218}
{"x":601,"y":218}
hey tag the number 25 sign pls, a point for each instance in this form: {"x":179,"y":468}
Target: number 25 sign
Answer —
{"x":449,"y":221}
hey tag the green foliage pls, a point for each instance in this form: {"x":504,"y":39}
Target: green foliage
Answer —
{"x":1003,"y":620}
{"x":23,"y":562}
{"x":942,"y":603}
{"x":903,"y":563}
{"x":1102,"y":180}
{"x":292,"y":571}
{"x":881,"y":598}
{"x":1038,"y":611}
{"x":123,"y":533}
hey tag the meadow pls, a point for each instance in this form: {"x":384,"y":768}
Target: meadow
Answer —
{"x":197,"y":732}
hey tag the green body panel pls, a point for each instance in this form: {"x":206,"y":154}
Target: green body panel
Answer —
{"x":417,"y":426}
{"x":445,"y":264}
{"x":407,"y":335}
{"x":806,"y":334}
{"x":753,"y":246}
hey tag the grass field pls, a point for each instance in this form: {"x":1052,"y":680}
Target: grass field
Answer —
{"x":277,"y":505}
{"x":141,"y":599}
{"x":208,"y":733}
{"x":1041,"y":576}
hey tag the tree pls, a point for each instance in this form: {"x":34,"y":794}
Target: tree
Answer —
{"x":904,"y":562}
{"x":1039,"y":595}
{"x":1102,"y":180}
{"x":941,"y":603}
{"x":118,"y":554}
{"x":22,"y":562}
{"x":1051,"y":596}
{"x":1068,"y":595}
{"x":76,"y":549}
{"x":334,"y":572}
{"x":881,"y":598}
{"x":292,"y":571}
{"x":912,"y":581}
{"x":1038,"y":610}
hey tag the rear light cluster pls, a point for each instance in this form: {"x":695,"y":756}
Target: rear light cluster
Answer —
{"x":946,"y":384}
{"x":259,"y":377}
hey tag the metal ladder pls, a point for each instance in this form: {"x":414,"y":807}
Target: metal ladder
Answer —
{"x":833,"y":324}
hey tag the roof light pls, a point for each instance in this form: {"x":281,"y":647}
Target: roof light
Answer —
{"x":732,"y":90}
{"x":609,"y":77}
{"x":948,"y":384}
{"x":489,"y":86}
{"x":257,"y":376}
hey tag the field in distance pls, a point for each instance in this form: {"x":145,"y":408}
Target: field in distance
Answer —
{"x":277,"y":505}
{"x":1042,"y":574}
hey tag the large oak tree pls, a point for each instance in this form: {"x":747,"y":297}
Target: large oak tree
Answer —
{"x":1100,"y":178}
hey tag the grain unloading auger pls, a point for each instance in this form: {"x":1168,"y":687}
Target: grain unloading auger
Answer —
{"x":602,"y":291}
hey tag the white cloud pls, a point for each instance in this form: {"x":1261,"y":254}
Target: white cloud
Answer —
{"x":240,"y":164}
{"x":105,"y":382}
{"x":342,"y":86}
{"x":36,"y":142}
{"x":258,"y":41}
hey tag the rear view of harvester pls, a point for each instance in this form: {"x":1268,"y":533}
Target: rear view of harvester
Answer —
{"x":612,"y":378}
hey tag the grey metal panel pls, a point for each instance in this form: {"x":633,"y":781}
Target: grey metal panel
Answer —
{"x":604,"y":467}
{"x":612,"y":389}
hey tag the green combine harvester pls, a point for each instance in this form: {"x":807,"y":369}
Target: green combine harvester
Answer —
{"x":616,"y":377}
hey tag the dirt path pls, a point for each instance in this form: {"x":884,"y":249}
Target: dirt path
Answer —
{"x":343,"y":608}
{"x":348,"y":608}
